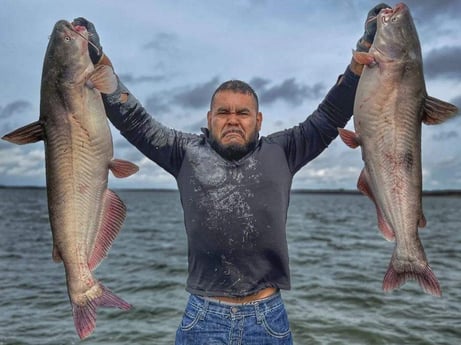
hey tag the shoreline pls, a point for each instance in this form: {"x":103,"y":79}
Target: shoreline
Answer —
{"x":340,"y":191}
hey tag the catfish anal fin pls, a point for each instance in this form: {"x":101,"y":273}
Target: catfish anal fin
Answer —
{"x":383,"y":225}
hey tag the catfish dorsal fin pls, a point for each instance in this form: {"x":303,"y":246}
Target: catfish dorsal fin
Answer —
{"x":437,"y":111}
{"x":103,"y":79}
{"x":27,"y":134}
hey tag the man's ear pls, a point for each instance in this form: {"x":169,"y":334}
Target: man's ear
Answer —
{"x":259,"y":120}
{"x":208,"y":117}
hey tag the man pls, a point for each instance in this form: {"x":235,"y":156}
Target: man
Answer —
{"x":235,"y":190}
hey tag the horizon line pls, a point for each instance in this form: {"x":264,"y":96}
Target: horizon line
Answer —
{"x":441,"y":192}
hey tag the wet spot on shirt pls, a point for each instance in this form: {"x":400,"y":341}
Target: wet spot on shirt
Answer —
{"x":227,"y":186}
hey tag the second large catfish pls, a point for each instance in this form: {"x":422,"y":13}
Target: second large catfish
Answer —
{"x":390,"y":105}
{"x":85,"y":215}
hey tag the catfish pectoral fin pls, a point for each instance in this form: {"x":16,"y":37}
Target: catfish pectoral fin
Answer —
{"x":121,"y":168}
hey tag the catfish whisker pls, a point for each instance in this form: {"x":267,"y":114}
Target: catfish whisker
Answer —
{"x":89,"y":42}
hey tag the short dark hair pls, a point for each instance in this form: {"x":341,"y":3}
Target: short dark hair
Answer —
{"x":236,"y":86}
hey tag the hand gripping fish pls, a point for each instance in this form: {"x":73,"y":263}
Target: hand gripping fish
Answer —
{"x":390,"y":104}
{"x":85,"y":216}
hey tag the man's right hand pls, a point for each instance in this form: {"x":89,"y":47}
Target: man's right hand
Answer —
{"x":364,"y":43}
{"x":94,"y":48}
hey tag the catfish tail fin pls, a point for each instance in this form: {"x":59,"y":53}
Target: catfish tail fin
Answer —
{"x":427,"y":280}
{"x":85,"y":315}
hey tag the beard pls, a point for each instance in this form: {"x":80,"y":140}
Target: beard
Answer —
{"x":233,"y":152}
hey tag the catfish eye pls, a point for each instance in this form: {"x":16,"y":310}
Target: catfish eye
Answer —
{"x":67,"y":38}
{"x":394,"y":19}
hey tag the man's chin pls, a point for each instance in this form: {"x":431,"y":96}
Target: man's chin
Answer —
{"x":233,"y":142}
{"x":232,"y":151}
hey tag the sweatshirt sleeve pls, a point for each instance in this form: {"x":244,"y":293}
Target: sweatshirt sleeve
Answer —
{"x":306,"y":141}
{"x":163,"y":145}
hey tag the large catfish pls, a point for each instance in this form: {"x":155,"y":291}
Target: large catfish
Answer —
{"x":85,"y":216}
{"x":390,"y":105}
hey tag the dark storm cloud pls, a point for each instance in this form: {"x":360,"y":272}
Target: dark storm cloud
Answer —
{"x":436,"y":20}
{"x":290,"y":91}
{"x":197,"y":96}
{"x":259,"y":83}
{"x":443,"y":62}
{"x":158,"y":104}
{"x":13,"y":108}
{"x":196,"y":126}
{"x":430,"y":10}
{"x":131,"y":79}
{"x":186,"y":97}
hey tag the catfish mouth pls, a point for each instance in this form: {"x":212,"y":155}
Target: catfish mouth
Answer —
{"x":79,"y":29}
{"x":390,"y":14}
{"x":69,"y":29}
{"x":83,"y":32}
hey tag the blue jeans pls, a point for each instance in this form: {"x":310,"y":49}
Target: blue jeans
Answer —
{"x":208,"y":322}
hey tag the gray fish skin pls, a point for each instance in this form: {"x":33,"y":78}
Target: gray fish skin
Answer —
{"x":85,"y":216}
{"x":390,"y":105}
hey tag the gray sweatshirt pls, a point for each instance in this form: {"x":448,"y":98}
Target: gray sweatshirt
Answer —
{"x":234,"y":211}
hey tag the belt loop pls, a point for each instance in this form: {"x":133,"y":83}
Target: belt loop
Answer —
{"x":204,"y":309}
{"x":259,"y":315}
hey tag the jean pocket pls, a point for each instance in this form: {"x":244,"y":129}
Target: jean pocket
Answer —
{"x":190,"y":318}
{"x":275,"y":322}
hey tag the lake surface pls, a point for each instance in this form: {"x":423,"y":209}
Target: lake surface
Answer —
{"x":338,"y":260}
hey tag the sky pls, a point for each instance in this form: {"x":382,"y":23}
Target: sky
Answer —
{"x":173,"y":54}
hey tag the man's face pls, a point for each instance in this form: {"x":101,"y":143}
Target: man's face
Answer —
{"x":233,"y":121}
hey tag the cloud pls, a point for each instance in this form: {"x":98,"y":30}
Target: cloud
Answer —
{"x":158,"y":104}
{"x":442,"y":173}
{"x":129,"y":78}
{"x":19,"y":161}
{"x":197,"y":96}
{"x":185,"y":97}
{"x":289,"y":91}
{"x":167,"y":51}
{"x":259,"y":83}
{"x":445,"y":135}
{"x":162,"y":42}
{"x":13,"y":108}
{"x":196,"y":126}
{"x":428,"y":10}
{"x":457,"y":101}
{"x":443,"y":62}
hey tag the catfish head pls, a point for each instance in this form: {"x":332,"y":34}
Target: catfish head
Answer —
{"x":396,"y":36}
{"x":67,"y":57}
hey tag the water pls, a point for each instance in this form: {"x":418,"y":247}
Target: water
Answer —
{"x":338,"y":260}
